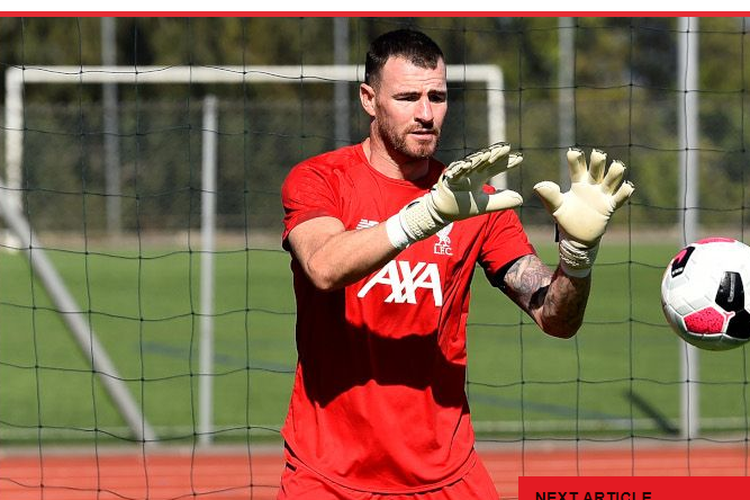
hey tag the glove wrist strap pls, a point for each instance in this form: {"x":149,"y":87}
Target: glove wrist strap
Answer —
{"x":418,"y":221}
{"x":576,"y":260}
{"x":396,"y":234}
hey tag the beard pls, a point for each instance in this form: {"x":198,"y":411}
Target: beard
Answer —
{"x":397,"y":140}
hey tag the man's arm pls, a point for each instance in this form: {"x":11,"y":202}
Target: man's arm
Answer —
{"x":554,"y":300}
{"x":557,"y":301}
{"x":333,"y":257}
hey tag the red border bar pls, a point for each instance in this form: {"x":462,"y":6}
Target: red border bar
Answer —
{"x":373,"y":14}
{"x":632,"y":488}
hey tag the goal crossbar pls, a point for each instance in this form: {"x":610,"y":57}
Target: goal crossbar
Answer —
{"x":16,"y":78}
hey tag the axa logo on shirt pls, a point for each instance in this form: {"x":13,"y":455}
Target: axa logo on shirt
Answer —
{"x":404,"y":281}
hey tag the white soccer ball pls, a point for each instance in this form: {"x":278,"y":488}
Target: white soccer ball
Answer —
{"x":703,"y":293}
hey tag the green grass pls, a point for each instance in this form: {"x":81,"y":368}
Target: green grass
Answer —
{"x":146,"y":313}
{"x":518,"y":374}
{"x":145,"y":310}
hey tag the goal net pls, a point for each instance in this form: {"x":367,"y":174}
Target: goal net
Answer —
{"x":146,"y":304}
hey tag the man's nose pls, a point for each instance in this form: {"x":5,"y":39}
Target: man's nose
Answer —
{"x":424,"y":113}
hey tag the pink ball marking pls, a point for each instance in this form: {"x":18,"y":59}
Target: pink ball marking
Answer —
{"x":707,"y":321}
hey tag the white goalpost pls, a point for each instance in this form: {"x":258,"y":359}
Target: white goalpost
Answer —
{"x":688,"y":124}
{"x":15,"y":81}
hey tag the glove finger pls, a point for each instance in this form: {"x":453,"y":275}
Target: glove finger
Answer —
{"x":462,"y":167}
{"x":479,"y":157}
{"x":503,"y":200}
{"x":577,"y":165}
{"x":614,"y":177}
{"x":491,"y":162}
{"x":623,"y":194}
{"x":550,"y":194}
{"x":514,"y":159}
{"x":499,"y":150}
{"x":500,"y":166}
{"x":456,"y":170}
{"x":482,"y":155}
{"x":597,"y":161}
{"x":478,"y":161}
{"x":482,"y":162}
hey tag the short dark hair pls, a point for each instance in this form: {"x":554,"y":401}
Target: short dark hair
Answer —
{"x":414,"y":46}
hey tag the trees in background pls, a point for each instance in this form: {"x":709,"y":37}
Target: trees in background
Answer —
{"x":625,"y":102}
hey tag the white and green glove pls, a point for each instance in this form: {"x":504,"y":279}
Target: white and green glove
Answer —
{"x":458,"y":194}
{"x":582,"y":213}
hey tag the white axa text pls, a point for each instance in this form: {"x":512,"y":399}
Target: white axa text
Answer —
{"x":404,"y":281}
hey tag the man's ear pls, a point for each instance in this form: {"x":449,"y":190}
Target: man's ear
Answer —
{"x":367,"y":98}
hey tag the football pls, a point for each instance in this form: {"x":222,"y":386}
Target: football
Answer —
{"x":703,"y":293}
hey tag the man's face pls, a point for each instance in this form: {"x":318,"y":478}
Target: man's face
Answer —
{"x":410,"y":107}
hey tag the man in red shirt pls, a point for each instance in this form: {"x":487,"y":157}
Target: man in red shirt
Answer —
{"x":384,"y":240}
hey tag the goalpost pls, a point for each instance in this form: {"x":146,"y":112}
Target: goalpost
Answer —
{"x":22,"y":237}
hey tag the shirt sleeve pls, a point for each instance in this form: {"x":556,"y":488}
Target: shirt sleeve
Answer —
{"x":505,"y":242}
{"x":307,"y":193}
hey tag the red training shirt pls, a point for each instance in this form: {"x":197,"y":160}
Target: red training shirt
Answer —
{"x":378,"y":402}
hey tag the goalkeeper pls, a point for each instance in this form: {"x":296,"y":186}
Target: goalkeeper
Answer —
{"x":384,"y":240}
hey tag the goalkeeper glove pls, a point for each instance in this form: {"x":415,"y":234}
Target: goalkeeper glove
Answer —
{"x":583,"y":212}
{"x":458,"y":194}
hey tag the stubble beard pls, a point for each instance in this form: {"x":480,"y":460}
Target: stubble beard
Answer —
{"x":398,"y":142}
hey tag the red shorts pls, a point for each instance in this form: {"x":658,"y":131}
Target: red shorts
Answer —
{"x":300,"y":483}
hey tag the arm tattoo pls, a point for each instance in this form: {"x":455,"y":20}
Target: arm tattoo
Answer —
{"x":527,"y":282}
{"x":555,"y":301}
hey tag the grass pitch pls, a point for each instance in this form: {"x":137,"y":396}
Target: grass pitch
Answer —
{"x":620,"y":376}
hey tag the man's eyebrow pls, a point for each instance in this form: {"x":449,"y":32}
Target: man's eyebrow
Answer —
{"x":411,"y":93}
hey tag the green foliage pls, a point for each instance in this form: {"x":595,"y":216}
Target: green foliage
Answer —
{"x":625,"y":102}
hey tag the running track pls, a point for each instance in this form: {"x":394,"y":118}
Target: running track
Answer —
{"x":230,"y":474}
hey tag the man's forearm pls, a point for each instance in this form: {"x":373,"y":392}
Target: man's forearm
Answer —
{"x":565,"y":304}
{"x":556,"y":301}
{"x":334,"y":258}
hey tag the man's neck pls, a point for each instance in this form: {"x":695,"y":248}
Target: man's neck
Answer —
{"x":382,"y":160}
